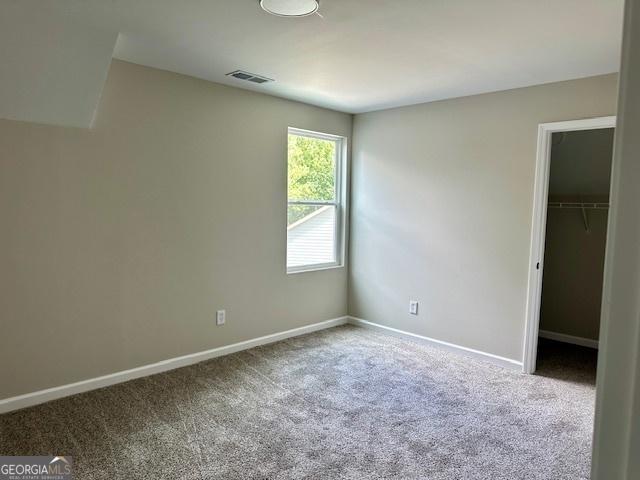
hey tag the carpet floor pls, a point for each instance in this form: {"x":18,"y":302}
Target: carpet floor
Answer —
{"x":344,"y":403}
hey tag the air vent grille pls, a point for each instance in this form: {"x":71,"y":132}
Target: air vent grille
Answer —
{"x":249,"y":77}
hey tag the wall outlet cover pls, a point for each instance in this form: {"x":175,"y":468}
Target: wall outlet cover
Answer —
{"x":413,"y":307}
{"x":221,"y":317}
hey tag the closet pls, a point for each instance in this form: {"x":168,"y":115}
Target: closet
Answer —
{"x":576,"y":233}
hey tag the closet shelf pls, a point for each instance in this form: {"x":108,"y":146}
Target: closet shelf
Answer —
{"x":581,"y":205}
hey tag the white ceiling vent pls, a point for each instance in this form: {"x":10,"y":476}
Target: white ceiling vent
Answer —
{"x":249,"y":77}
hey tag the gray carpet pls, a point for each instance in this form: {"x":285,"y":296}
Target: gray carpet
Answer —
{"x":345,"y":403}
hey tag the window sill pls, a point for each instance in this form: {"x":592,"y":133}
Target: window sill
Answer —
{"x":313,"y":268}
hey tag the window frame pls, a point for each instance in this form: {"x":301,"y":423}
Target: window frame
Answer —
{"x":339,"y":202}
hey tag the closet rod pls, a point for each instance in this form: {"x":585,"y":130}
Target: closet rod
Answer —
{"x":582,"y":205}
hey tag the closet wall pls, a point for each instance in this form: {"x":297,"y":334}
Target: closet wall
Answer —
{"x":575,"y":243}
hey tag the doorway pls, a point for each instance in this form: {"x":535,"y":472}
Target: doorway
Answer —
{"x":570,"y":220}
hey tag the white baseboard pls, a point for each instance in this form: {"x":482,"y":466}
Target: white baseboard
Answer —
{"x":469,"y":352}
{"x":42,"y":396}
{"x":563,"y":337}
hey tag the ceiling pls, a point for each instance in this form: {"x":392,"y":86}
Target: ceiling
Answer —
{"x":364,"y":55}
{"x":356,"y":56}
{"x":54,"y":59}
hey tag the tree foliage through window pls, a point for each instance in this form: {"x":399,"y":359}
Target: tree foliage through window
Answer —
{"x":311,"y":176}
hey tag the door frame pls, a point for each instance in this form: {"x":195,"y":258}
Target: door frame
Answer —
{"x":539,"y":227}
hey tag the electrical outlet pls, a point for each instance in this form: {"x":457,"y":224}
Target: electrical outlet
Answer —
{"x":221,"y":317}
{"x":413,"y":307}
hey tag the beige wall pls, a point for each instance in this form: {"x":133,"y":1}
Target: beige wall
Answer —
{"x":119,"y":243}
{"x":442,"y":199}
{"x":581,"y":163}
{"x":573,"y":272}
{"x":616,"y":445}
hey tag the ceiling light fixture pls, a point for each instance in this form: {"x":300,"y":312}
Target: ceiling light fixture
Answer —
{"x":290,"y":8}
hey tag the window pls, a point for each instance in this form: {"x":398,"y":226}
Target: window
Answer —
{"x":315,"y":211}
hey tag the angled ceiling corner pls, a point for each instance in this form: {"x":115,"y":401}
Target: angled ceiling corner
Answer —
{"x":54,"y":60}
